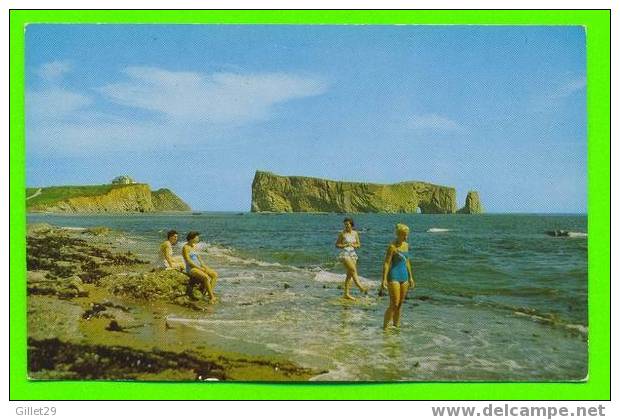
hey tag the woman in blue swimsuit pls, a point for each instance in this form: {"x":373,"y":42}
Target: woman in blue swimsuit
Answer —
{"x":397,"y":275}
{"x":197,"y":270}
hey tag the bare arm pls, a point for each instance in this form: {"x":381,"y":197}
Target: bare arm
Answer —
{"x":202,"y":263}
{"x":410,"y":270}
{"x":340,"y":241}
{"x":386,"y":264}
{"x":357,"y":243}
{"x":187,"y":259}
{"x":168,"y":254}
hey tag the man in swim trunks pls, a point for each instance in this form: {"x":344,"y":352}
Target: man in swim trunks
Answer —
{"x":167,"y":260}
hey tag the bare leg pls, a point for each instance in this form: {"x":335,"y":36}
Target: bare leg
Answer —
{"x":394,"y":289}
{"x":347,"y":287}
{"x":347,"y":280}
{"x":403,"y":292}
{"x":212,"y":276}
{"x":350,"y":265}
{"x":204,"y":279}
{"x":356,"y":279}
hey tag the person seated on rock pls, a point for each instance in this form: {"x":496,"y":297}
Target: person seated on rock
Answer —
{"x":167,"y":260}
{"x":198,"y":271}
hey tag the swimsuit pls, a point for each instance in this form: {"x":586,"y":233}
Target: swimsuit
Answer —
{"x":348,"y":251}
{"x":398,"y":268}
{"x":194,"y":257}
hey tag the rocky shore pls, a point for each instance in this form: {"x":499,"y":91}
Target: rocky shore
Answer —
{"x":98,"y":311}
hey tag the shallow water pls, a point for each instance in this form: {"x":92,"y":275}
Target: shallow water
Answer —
{"x":497,"y":299}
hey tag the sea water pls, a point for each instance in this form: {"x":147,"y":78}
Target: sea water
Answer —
{"x":496,"y":298}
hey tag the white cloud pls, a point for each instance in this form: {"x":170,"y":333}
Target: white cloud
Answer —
{"x":221,"y":98}
{"x":52,"y":101}
{"x":551,"y":99}
{"x":570,"y":87}
{"x":54,"y":70}
{"x":196,"y":109}
{"x":434,"y":122}
{"x":55,"y":102}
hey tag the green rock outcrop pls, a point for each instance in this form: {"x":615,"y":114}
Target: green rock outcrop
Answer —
{"x":472,"y":204}
{"x":108,"y":198}
{"x":274,"y":193}
{"x":166,"y":200}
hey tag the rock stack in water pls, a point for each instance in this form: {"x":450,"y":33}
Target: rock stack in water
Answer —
{"x":472,"y":204}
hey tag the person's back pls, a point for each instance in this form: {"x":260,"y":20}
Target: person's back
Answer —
{"x":166,"y":259}
{"x":165,"y":250}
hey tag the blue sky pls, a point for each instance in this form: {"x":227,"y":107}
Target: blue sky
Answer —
{"x":199,"y":108}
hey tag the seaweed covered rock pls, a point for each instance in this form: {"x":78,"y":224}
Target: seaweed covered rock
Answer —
{"x":98,"y":230}
{"x":40,"y":283}
{"x":38,"y":228}
{"x":157,"y":285}
{"x":52,"y":358}
{"x":62,"y":254}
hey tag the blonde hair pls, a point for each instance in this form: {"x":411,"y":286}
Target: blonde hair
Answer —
{"x":401,"y":227}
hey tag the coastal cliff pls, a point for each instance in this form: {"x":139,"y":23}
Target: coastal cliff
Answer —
{"x":165,"y":200}
{"x":275,"y":193}
{"x":109,"y":198}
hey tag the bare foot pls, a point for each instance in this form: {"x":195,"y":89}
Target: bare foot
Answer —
{"x":348,"y":297}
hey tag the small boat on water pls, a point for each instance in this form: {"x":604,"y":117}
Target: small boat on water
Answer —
{"x":196,"y":213}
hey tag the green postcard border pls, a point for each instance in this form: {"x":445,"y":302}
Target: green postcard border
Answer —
{"x":597,"y":386}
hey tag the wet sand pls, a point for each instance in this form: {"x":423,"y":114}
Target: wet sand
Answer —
{"x":97,"y":311}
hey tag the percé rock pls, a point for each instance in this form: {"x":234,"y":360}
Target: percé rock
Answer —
{"x":472,"y":204}
{"x":111,"y":198}
{"x":274,"y":193}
